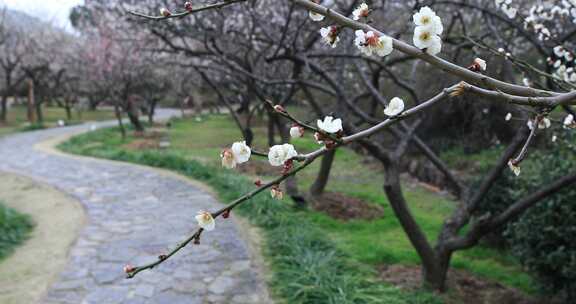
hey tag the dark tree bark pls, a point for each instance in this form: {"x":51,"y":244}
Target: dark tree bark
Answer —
{"x":319,"y":185}
{"x":118,"y":114}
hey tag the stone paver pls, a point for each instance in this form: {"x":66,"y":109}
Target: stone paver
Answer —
{"x":135,"y":214}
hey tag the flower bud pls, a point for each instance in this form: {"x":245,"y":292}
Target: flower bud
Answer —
{"x":129,"y":269}
{"x":165,"y":12}
{"x":228,"y":159}
{"x":276,"y":193}
{"x":296,"y":131}
{"x":479,"y":65}
{"x":279,"y":109}
{"x":188,"y":6}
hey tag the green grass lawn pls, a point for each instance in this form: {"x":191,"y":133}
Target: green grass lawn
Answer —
{"x":17,"y":121}
{"x":14,"y":229}
{"x":369,"y":243}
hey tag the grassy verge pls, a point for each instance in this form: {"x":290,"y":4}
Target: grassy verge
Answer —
{"x":14,"y":229}
{"x":308,"y":267}
{"x":17,"y":121}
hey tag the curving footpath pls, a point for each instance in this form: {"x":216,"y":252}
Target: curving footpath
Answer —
{"x":133,"y":215}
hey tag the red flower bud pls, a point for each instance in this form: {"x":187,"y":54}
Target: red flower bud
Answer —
{"x":128,"y":269}
{"x":188,"y":6}
{"x":226,"y":214}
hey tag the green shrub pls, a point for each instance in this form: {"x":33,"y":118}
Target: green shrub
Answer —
{"x":542,"y":237}
{"x":14,"y":229}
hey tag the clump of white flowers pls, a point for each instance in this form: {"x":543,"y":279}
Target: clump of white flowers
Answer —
{"x":330,"y":35}
{"x":544,"y":123}
{"x":279,"y":154}
{"x":239,"y":153}
{"x":506,"y":7}
{"x":205,"y":220}
{"x":361,"y":11}
{"x":330,"y":125}
{"x":395,"y":107}
{"x":428,"y":30}
{"x":569,"y":122}
{"x":372,"y":42}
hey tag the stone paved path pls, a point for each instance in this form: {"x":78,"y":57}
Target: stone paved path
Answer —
{"x":134,"y":214}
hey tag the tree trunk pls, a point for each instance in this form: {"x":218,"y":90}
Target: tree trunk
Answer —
{"x":30,"y":107}
{"x":68,"y":109}
{"x":435,"y":277}
{"x":152,"y":111}
{"x":432,"y":271}
{"x":4,"y":109}
{"x":135,"y":121}
{"x":118,"y":114}
{"x":319,"y":185}
{"x":39,"y":115}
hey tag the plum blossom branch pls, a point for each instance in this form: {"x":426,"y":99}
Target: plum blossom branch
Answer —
{"x":165,"y":14}
{"x":282,"y":112}
{"x":434,"y":60}
{"x":562,"y":99}
{"x":133,"y":271}
{"x":306,"y":160}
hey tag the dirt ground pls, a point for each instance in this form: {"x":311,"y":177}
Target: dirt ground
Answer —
{"x":463,"y":287}
{"x":28,"y":272}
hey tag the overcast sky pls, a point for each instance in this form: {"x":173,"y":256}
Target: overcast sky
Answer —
{"x":55,"y":11}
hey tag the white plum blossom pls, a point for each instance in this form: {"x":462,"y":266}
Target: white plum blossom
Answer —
{"x":296,"y":132}
{"x":426,"y":17}
{"x":279,"y":154}
{"x":554,"y":138}
{"x":569,"y":122}
{"x":205,"y":221}
{"x":515,"y":168}
{"x":395,"y":107}
{"x":276,"y":193}
{"x":238,"y":154}
{"x":241,"y":152}
{"x":228,"y":160}
{"x":543,"y":124}
{"x":315,"y":16}
{"x":510,"y":11}
{"x":330,"y":125}
{"x":508,"y":116}
{"x":428,"y":30}
{"x":481,"y":63}
{"x":361,"y":11}
{"x":330,"y":35}
{"x":559,"y":51}
{"x":371,"y":42}
{"x":506,"y":7}
{"x":424,"y":38}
